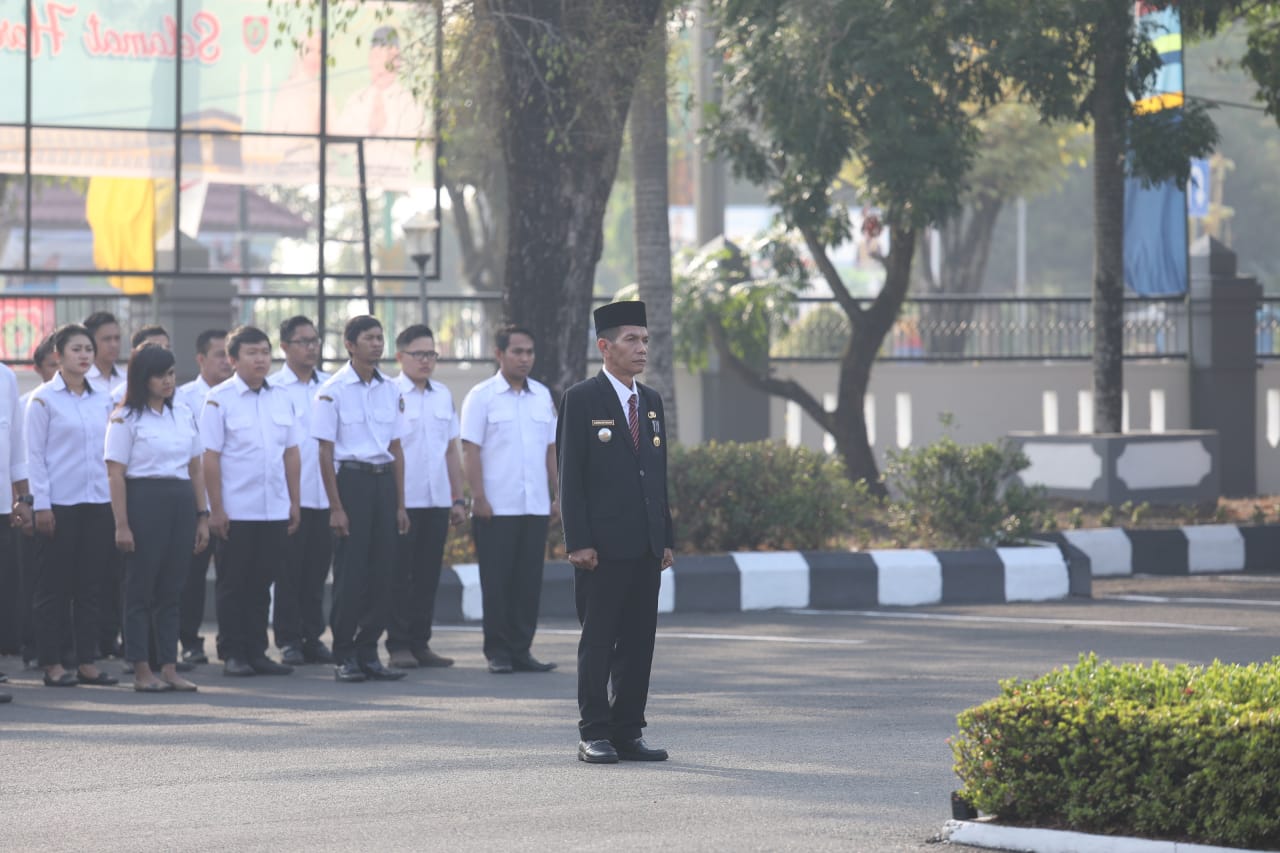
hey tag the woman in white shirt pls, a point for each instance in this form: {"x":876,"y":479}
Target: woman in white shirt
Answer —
{"x":153,"y":455}
{"x":66,"y":424}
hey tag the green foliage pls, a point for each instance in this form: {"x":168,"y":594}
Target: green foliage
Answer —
{"x":762,"y":495}
{"x":1258,"y":516}
{"x":1077,"y":518}
{"x":962,"y":496}
{"x":1139,"y":513}
{"x":1183,"y":752}
{"x":1107,"y":518}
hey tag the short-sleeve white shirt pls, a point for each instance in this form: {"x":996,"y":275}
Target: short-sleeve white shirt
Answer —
{"x":192,"y":394}
{"x":65,"y":436}
{"x":13,"y":444}
{"x":360,"y":419}
{"x":431,"y":423}
{"x":153,"y":444}
{"x":300,"y":396}
{"x":250,"y":431}
{"x":513,"y":428}
{"x":112,"y":383}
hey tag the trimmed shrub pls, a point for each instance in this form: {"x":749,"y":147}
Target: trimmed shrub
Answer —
{"x":1183,"y":753}
{"x":961,"y":496}
{"x":733,"y":497}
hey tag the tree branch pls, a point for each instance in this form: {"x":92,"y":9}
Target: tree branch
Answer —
{"x":788,"y":389}
{"x":832,"y":276}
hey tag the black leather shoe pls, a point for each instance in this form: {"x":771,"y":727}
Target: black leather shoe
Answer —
{"x":529,"y":663}
{"x":237,"y":667}
{"x":426,"y":657}
{"x":378,"y":672}
{"x":194,"y":656}
{"x":102,"y":679}
{"x":638,"y":750}
{"x":3,"y":678}
{"x":67,"y":679}
{"x":5,"y":698}
{"x":266,"y":666}
{"x":597,"y":752}
{"x":348,"y":671}
{"x":292,"y":656}
{"x":183,"y":666}
{"x":500,"y":666}
{"x":317,"y":652}
{"x":403,"y":659}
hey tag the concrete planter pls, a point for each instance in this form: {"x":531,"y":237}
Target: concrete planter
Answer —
{"x":1193,"y":549}
{"x":1163,"y":468}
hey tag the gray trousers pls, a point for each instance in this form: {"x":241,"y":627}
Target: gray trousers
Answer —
{"x":162,"y":516}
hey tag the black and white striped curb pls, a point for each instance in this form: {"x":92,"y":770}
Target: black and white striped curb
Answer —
{"x":818,"y":580}
{"x":1193,"y":549}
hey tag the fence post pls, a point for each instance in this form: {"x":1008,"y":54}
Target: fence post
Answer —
{"x":189,"y":304}
{"x":1223,"y":309}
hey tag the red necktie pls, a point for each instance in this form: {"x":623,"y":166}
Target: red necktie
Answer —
{"x":633,"y":420}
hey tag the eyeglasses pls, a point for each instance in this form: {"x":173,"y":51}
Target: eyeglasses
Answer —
{"x":305,"y":342}
{"x":422,"y":354}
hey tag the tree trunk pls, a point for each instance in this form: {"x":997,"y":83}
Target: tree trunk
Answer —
{"x":1110,"y":106}
{"x":568,"y":72}
{"x":966,"y":241}
{"x":652,"y":229}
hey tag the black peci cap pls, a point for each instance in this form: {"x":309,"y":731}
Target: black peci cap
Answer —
{"x":620,"y":314}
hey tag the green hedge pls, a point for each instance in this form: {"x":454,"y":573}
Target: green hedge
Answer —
{"x":1183,"y":753}
{"x":736,"y":497}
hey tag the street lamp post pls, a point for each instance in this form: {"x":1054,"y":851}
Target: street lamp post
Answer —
{"x":420,"y":241}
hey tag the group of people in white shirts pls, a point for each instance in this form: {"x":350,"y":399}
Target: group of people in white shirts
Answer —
{"x":125,"y":485}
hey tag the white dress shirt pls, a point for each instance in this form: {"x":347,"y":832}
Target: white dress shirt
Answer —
{"x":251,"y":431}
{"x":13,"y":444}
{"x":192,"y":395}
{"x":65,"y":436}
{"x":360,"y":419}
{"x":513,"y":429}
{"x":112,"y":383}
{"x":430,"y":424}
{"x":154,"y":445}
{"x":300,"y":396}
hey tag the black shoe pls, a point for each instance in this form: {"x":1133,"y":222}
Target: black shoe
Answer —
{"x":378,"y":672}
{"x":292,"y":656}
{"x":101,"y":680}
{"x":426,"y":657}
{"x":348,"y":670}
{"x":3,"y":678}
{"x":317,"y":652}
{"x":67,"y":679}
{"x":500,"y":666}
{"x":5,"y":698}
{"x":635,"y":749}
{"x":183,"y":666}
{"x":529,"y":663}
{"x":597,"y":752}
{"x":238,"y":668}
{"x":266,"y":666}
{"x":403,"y":659}
{"x":194,"y":656}
{"x":30,"y":664}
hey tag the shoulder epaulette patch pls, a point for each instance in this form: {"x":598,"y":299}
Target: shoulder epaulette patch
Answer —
{"x":212,"y":403}
{"x":41,"y":402}
{"x":325,"y":397}
{"x":117,"y":420}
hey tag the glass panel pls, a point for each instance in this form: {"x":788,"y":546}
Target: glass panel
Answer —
{"x":251,"y":204}
{"x":99,"y":199}
{"x":13,"y":61}
{"x":399,"y":182}
{"x":108,"y":62}
{"x":13,"y":212}
{"x":244,"y":81}
{"x":26,"y":317}
{"x":382,"y":69}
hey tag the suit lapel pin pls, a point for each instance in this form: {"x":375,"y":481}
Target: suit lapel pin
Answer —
{"x":605,"y":434}
{"x":657,"y":442}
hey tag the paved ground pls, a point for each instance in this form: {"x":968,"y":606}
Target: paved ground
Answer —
{"x":788,"y":731}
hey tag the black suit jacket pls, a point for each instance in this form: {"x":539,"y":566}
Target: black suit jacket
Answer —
{"x":613,"y":498}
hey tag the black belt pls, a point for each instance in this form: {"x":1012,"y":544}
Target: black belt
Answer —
{"x":366,"y":467}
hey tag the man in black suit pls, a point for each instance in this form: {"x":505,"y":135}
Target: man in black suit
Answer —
{"x":617,"y":529}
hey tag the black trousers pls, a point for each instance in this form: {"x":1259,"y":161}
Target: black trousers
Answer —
{"x":12,"y":611}
{"x":299,"y":601}
{"x":363,"y":564}
{"x":618,"y":607}
{"x":111,"y":612}
{"x":191,"y":599}
{"x":27,"y":548}
{"x":74,"y":582}
{"x":413,"y":598}
{"x":510,"y":550}
{"x":162,"y":516}
{"x":246,"y":562}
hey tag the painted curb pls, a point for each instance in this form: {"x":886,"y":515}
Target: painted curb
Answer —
{"x":996,"y":837}
{"x":807,"y":580}
{"x":1188,"y":550}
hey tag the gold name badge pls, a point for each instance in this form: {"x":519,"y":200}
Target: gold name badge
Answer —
{"x":657,"y":442}
{"x":605,"y":434}
{"x":605,"y":422}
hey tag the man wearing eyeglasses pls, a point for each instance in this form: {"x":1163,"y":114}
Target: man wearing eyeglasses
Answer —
{"x":432,"y":496}
{"x":299,"y":598}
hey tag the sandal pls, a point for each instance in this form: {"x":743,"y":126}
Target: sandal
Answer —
{"x":181,"y":685}
{"x":153,"y":687}
{"x":102,"y":679}
{"x":67,"y":679}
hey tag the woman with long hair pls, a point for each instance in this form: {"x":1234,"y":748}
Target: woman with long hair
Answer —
{"x":153,"y":455}
{"x":66,"y":424}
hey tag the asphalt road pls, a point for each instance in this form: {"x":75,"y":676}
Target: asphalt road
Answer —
{"x":788,"y":731}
